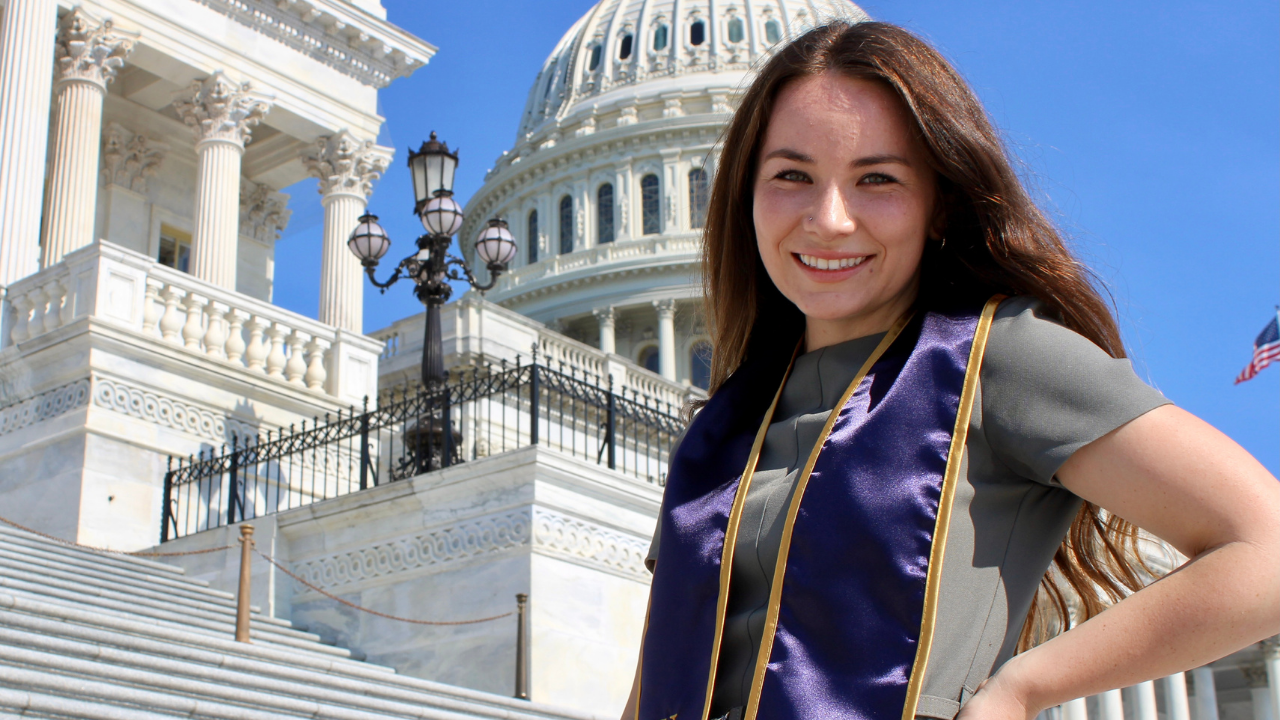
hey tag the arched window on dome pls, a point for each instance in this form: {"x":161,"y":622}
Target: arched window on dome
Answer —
{"x":595,"y":58}
{"x":648,"y":358}
{"x":735,"y":29}
{"x":566,"y":225}
{"x":624,"y":48}
{"x":660,"y":37}
{"x":697,"y":33}
{"x":533,"y":237}
{"x":698,"y":196}
{"x":700,"y":364}
{"x":650,"y":205}
{"x":772,"y":32}
{"x":604,"y":214}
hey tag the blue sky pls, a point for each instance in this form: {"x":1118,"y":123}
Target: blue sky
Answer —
{"x":1150,"y":131}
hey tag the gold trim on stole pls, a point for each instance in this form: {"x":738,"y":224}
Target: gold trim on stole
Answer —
{"x":933,"y":582}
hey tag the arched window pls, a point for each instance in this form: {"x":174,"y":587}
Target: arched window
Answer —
{"x":604,"y":214}
{"x":735,"y":29}
{"x":698,"y":195}
{"x":700,"y":364}
{"x":595,"y":58}
{"x":533,"y":236}
{"x":660,"y":37}
{"x":649,"y":358}
{"x":566,"y":225}
{"x":697,"y":33}
{"x":624,"y":50}
{"x":650,"y":206}
{"x":772,"y":31}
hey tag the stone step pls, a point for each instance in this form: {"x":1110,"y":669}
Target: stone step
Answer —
{"x":25,"y":705}
{"x":124,"y":561}
{"x":89,"y":579}
{"x":173,"y":620}
{"x":88,"y":586}
{"x":186,"y":587}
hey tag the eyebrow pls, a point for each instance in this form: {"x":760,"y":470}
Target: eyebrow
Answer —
{"x":797,"y":156}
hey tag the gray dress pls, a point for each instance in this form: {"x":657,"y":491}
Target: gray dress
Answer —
{"x":1044,"y":392}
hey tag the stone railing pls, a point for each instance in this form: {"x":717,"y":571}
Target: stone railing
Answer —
{"x":625,"y":252}
{"x":126,"y":289}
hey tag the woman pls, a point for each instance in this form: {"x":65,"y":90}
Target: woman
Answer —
{"x":917,"y":408}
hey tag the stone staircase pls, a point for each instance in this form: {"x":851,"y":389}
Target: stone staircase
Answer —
{"x":106,"y":637}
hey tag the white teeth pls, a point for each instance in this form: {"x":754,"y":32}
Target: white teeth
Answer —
{"x":836,"y":264}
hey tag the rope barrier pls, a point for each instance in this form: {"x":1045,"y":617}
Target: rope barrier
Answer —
{"x":109,"y":551}
{"x":335,"y":598}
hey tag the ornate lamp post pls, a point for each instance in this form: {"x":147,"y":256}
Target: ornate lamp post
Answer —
{"x":431,"y":267}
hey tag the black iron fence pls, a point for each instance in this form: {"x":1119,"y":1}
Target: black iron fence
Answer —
{"x":481,"y":411}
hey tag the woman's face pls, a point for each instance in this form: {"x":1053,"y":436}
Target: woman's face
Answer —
{"x":844,"y":200}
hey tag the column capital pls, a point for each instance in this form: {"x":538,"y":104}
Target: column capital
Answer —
{"x":264,"y":212}
{"x":604,"y":314}
{"x":220,"y":110}
{"x":665,"y":308}
{"x":88,"y":50}
{"x":346,"y":164}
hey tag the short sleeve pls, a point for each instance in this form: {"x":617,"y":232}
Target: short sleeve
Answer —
{"x":1048,"y":391}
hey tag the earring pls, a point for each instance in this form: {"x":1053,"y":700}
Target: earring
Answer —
{"x":810,"y":218}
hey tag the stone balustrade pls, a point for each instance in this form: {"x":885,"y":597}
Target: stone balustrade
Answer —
{"x":631,"y":252}
{"x":123,"y":288}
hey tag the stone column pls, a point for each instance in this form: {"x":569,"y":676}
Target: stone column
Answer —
{"x":671,"y":192}
{"x":346,"y":167}
{"x":666,"y":338}
{"x":1206,"y":693}
{"x":27,"y":32}
{"x":88,"y":55}
{"x":1175,"y":697}
{"x":1271,"y":656}
{"x":622,"y":192}
{"x":608,"y":337}
{"x":222,"y":114}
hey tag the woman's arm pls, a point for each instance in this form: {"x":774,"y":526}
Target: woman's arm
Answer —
{"x":1180,"y":479}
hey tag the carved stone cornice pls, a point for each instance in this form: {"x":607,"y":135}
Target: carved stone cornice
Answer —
{"x":129,"y":158}
{"x":220,"y":110}
{"x":88,"y":50}
{"x":263,"y":212}
{"x":346,"y":164}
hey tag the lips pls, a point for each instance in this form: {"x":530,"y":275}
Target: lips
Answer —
{"x":817,"y":263}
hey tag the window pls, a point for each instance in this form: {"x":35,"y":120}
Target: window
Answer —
{"x":566,"y":225}
{"x":735,"y":29}
{"x":595,"y":58}
{"x":175,"y":249}
{"x":700,"y":364}
{"x":649,"y":358}
{"x":650,"y":218}
{"x":697,"y":33}
{"x":533,"y":236}
{"x":772,"y":31}
{"x":698,"y":195}
{"x":660,"y":37}
{"x":624,"y":51}
{"x":604,"y":214}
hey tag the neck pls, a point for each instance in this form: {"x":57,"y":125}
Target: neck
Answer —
{"x":820,"y":333}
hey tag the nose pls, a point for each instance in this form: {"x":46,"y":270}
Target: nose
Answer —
{"x":829,"y":217}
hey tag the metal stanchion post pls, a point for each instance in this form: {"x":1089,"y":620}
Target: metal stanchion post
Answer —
{"x":242,"y":602}
{"x":522,"y":649}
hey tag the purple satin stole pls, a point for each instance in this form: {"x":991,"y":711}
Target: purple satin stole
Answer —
{"x":846,"y":619}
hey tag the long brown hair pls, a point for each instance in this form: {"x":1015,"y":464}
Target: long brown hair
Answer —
{"x":997,"y":241}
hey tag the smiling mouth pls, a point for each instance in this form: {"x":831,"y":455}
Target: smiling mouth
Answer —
{"x":818,"y":263}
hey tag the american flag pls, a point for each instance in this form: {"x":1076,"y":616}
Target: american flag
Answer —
{"x":1266,"y":349}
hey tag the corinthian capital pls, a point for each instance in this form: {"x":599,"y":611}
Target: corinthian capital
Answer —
{"x":89,"y":50}
{"x":347,"y":164}
{"x":221,"y":110}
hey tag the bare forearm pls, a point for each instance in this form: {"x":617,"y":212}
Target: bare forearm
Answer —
{"x":1223,"y":600}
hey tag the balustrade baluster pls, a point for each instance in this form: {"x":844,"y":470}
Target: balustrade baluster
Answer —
{"x":215,"y":337}
{"x":255,"y":356}
{"x":39,"y":302}
{"x":235,"y":346}
{"x":296,"y":366}
{"x":172,"y":320}
{"x":152,"y":310}
{"x":193,"y":330}
{"x":316,"y":373}
{"x":57,"y":292}
{"x":22,"y":311}
{"x":69,"y":300}
{"x":275,"y":358}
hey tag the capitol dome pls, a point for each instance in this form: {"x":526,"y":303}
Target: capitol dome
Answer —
{"x":606,"y":186}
